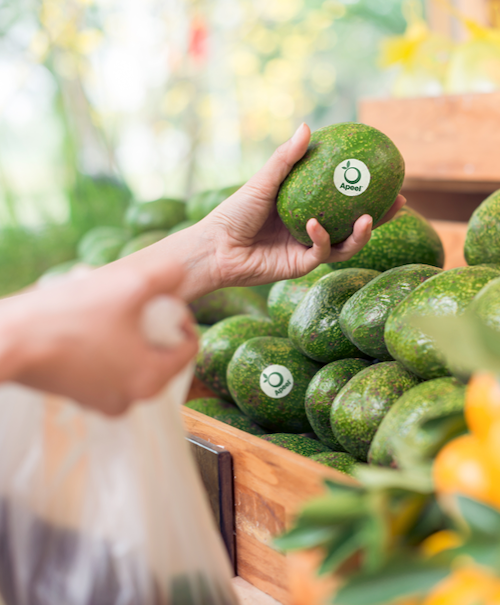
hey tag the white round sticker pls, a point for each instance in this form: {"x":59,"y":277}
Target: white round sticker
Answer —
{"x":276,"y":381}
{"x":352,"y":177}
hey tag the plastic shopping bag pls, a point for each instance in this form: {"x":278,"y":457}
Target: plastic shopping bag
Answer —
{"x":99,"y":511}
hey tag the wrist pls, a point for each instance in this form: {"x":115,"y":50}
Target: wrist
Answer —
{"x":18,"y":346}
{"x":195,"y":249}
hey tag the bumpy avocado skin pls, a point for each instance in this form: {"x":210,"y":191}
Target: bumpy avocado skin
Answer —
{"x":314,"y":326}
{"x":321,"y":392}
{"x":445,"y":294}
{"x":341,"y":461}
{"x":305,"y":446}
{"x":309,"y":190}
{"x":407,"y":238}
{"x":218,"y":344}
{"x":409,"y":411}
{"x":211,"y":406}
{"x":286,"y":295}
{"x":242,"y":422}
{"x":218,"y":305}
{"x":285,"y":414}
{"x":482,"y":244}
{"x":362,"y":404}
{"x":363,"y":317}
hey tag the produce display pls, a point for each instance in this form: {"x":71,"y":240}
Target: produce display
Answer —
{"x":350,"y":364}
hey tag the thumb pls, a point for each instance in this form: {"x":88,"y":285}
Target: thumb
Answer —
{"x":269,"y":178}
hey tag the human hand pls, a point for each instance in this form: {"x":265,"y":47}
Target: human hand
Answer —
{"x":84,"y":339}
{"x":252,"y":245}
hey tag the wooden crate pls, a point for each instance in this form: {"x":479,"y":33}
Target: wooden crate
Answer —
{"x":271,"y":483}
{"x":449,"y":142}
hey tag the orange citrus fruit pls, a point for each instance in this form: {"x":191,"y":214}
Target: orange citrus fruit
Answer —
{"x":482,"y":403}
{"x":464,"y":467}
{"x":470,"y":585}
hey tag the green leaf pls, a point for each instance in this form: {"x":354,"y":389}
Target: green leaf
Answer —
{"x":437,"y":431}
{"x":333,"y":509}
{"x":401,"y":577}
{"x":305,"y":537}
{"x":484,"y":551}
{"x":340,"y":488}
{"x":414,"y":480}
{"x":480,"y":518}
{"x":341,"y":549}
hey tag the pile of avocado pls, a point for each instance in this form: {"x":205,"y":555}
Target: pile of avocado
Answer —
{"x":145,"y":223}
{"x":333,"y":368}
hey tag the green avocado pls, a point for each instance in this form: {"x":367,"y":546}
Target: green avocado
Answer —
{"x":162,"y":214}
{"x":211,"y":406}
{"x":202,"y":203}
{"x":300,"y":444}
{"x":263,"y":289}
{"x":363,"y":402}
{"x":101,"y":245}
{"x":218,"y":305}
{"x":181,"y":226}
{"x":314,"y":326}
{"x":268,"y":379}
{"x":321,"y":392}
{"x":340,"y":461}
{"x":348,"y":170}
{"x":445,"y":294}
{"x":407,"y":413}
{"x":242,"y":422}
{"x":142,"y":241}
{"x":285,"y":296}
{"x":486,"y":304}
{"x":363,"y":317}
{"x":218,"y":344}
{"x":482,"y":244}
{"x":407,"y":238}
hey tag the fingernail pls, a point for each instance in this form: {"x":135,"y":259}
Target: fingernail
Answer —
{"x":296,"y":133}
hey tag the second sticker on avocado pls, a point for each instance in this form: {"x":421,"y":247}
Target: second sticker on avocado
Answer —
{"x":351,"y":177}
{"x":276,"y":381}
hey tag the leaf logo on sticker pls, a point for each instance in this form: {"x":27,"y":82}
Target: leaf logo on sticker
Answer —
{"x":276,"y":381}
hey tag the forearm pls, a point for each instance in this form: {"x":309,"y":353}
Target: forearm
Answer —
{"x":193,"y":248}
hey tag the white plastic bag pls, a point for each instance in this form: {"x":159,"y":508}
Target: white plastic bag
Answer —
{"x":99,"y":511}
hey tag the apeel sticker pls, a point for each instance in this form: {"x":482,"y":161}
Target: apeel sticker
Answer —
{"x":352,"y":177}
{"x":276,"y":381}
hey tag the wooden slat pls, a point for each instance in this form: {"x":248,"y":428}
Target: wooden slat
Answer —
{"x":452,"y":235}
{"x":270,"y":484}
{"x":453,"y":138}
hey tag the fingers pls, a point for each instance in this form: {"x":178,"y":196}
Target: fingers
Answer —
{"x":273,"y":173}
{"x":389,"y":215}
{"x":360,"y":237}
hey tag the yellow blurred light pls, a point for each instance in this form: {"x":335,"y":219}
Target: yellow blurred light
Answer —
{"x":281,"y":105}
{"x":228,"y":131}
{"x":296,"y":46}
{"x":317,"y":21}
{"x":280,"y":131}
{"x":333,"y":8}
{"x":323,"y":77}
{"x":281,"y":10}
{"x":39,"y":45}
{"x":178,"y":98}
{"x":204,"y":107}
{"x":244,"y":63}
{"x":255,"y":126}
{"x":280,"y":71}
{"x":88,"y":40}
{"x":263,"y":39}
{"x":66,"y":65}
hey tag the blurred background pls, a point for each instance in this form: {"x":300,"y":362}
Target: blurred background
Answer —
{"x":105,"y":102}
